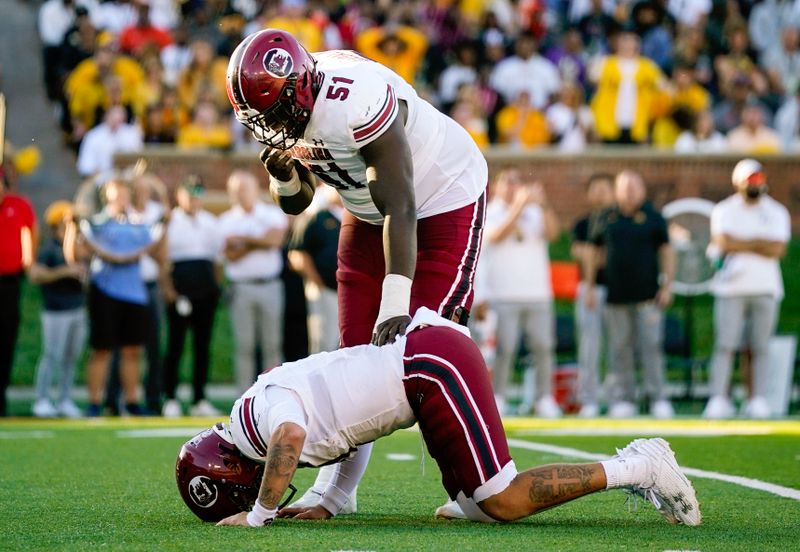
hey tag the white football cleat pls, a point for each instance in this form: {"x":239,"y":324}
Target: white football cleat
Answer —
{"x":662,"y":410}
{"x":172,"y":409}
{"x":589,"y":410}
{"x":622,"y":409}
{"x":547,"y":407}
{"x":757,"y":408}
{"x":204,"y":408}
{"x":449,"y":510}
{"x":665,"y":485}
{"x":69,"y":409}
{"x":719,"y":407}
{"x":43,"y":408}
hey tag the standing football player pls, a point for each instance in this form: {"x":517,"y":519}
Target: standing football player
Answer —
{"x":411,"y":179}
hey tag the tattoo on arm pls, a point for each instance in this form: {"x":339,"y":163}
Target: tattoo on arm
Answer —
{"x":552,"y":485}
{"x":280,"y":467}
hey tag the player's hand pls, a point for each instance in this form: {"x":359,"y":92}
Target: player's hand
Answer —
{"x":314,"y":512}
{"x":278,"y":163}
{"x":239,"y":519}
{"x":388,"y":330}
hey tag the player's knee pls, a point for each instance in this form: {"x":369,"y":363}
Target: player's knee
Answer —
{"x":501,"y":507}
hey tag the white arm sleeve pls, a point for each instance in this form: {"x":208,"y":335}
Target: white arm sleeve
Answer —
{"x":345,"y":480}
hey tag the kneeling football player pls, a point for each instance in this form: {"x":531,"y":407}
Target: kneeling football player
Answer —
{"x":317,"y":411}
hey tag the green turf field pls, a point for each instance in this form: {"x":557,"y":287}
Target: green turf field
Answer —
{"x":90,"y":484}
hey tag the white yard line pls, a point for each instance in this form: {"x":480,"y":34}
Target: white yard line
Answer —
{"x":160,"y":432}
{"x":35,"y":434}
{"x":757,"y":484}
{"x":666,"y":432}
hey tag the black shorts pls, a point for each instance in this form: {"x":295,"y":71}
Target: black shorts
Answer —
{"x":114,"y":323}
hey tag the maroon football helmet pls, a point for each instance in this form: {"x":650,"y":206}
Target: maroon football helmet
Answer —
{"x":271,"y":83}
{"x":214,"y":478}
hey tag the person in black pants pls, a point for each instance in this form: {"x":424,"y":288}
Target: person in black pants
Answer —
{"x":18,"y":234}
{"x":191,"y":289}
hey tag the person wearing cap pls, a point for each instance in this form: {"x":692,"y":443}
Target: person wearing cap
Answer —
{"x":749,"y":234}
{"x":63,"y":316}
{"x":18,"y":234}
{"x":190,"y":280}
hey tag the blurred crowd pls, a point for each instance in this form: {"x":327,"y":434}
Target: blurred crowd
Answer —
{"x":127,"y":257}
{"x":693,"y":75}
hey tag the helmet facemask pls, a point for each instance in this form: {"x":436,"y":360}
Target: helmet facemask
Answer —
{"x":281,"y":125}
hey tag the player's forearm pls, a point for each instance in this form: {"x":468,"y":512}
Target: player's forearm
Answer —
{"x":297,"y":203}
{"x":283,"y":454}
{"x":400,"y":242}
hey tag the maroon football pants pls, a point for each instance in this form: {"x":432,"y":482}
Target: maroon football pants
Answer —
{"x":448,"y":246}
{"x":447,"y":385}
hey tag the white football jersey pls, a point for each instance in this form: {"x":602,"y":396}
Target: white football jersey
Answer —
{"x":357,"y":101}
{"x":342,"y":399}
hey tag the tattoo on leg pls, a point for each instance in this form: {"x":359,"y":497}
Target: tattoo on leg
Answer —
{"x":552,"y":485}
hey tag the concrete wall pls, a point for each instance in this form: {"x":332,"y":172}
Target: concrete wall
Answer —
{"x":669,"y":176}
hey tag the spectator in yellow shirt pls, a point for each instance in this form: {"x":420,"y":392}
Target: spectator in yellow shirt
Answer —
{"x":398,"y":47}
{"x":293,"y":18}
{"x":205,"y":131}
{"x":204,"y":74}
{"x":626,"y":88}
{"x":520,"y":124}
{"x":681,"y":104}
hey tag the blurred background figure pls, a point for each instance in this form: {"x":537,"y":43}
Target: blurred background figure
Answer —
{"x":753,"y":135}
{"x":18,"y":236}
{"x":519,"y":225}
{"x":191,"y":289}
{"x":640,"y":266}
{"x":749,"y":232}
{"x":526,"y":71}
{"x":252,"y":234}
{"x":112,"y":136}
{"x":589,"y":318}
{"x":63,"y":316}
{"x":312,"y":253}
{"x":118,"y":298}
{"x":702,"y":137}
{"x":626,"y":85}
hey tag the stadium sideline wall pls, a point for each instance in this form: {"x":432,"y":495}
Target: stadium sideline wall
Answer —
{"x":669,"y":176}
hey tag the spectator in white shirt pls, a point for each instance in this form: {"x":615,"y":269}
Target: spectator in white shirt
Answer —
{"x":570,"y":121}
{"x":113,"y":135}
{"x":526,"y":71}
{"x":702,"y":138}
{"x":787,"y":123}
{"x":519,"y":225}
{"x":689,"y":13}
{"x":114,"y":15}
{"x":749,"y":234}
{"x":191,"y":289}
{"x":252,"y":234}
{"x":457,"y":74}
{"x":176,"y":57}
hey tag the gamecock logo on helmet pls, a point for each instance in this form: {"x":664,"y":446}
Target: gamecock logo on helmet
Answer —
{"x":203,"y":491}
{"x":278,"y":63}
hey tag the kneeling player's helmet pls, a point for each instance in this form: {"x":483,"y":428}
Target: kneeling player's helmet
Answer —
{"x":214,"y":478}
{"x":271,"y":83}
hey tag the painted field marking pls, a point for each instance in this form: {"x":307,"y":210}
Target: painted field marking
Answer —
{"x":401,"y":456}
{"x":35,"y":434}
{"x":160,"y":432}
{"x":673,"y":432}
{"x":748,"y":482}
